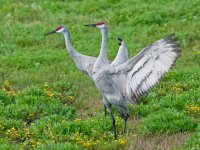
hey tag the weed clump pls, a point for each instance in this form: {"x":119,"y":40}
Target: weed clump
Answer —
{"x":167,"y":121}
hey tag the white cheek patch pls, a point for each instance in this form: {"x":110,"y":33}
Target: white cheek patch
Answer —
{"x":60,"y":31}
{"x":101,"y":26}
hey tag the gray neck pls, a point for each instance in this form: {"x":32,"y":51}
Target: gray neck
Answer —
{"x":73,"y":53}
{"x":103,"y":58}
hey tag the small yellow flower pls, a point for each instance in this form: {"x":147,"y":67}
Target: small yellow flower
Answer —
{"x":38,"y":143}
{"x":13,"y":133}
{"x":193,"y":110}
{"x":121,"y":141}
{"x":198,"y":53}
{"x":6,"y":83}
{"x":71,"y":97}
{"x":46,"y":85}
{"x":6,"y":88}
{"x":97,"y":141}
{"x":50,"y":93}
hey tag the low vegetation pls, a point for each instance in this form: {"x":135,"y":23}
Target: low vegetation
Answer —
{"x":47,"y":103}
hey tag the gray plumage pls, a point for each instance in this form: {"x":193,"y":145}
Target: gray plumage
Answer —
{"x":125,"y":80}
{"x":86,"y":63}
{"x":135,"y":77}
{"x":122,"y":55}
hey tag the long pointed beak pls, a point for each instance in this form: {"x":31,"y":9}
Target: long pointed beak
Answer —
{"x":52,"y":32}
{"x":91,"y":25}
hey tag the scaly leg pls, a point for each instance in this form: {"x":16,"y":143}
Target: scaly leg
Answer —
{"x":105,"y":110}
{"x":113,"y":123}
{"x":105,"y":105}
{"x":125,"y":121}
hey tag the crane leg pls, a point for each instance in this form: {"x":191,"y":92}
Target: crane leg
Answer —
{"x":113,"y":123}
{"x":105,"y":110}
{"x":105,"y":104}
{"x":125,"y":121}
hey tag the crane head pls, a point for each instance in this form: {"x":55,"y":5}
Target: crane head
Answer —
{"x":100,"y":25}
{"x":59,"y":29}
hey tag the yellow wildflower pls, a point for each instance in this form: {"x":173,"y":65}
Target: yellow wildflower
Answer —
{"x":12,"y":93}
{"x":198,"y":53}
{"x":50,"y":93}
{"x":71,"y":97}
{"x":193,"y":110}
{"x":38,"y":143}
{"x":13,"y":133}
{"x":6,"y":83}
{"x":121,"y":141}
{"x":6,"y":88}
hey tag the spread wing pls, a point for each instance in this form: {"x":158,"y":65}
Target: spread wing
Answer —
{"x":148,"y":67}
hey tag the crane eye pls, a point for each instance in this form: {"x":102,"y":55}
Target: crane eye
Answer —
{"x":58,"y":28}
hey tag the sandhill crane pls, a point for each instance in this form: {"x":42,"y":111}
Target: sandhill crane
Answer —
{"x":134,"y":78}
{"x":122,"y":55}
{"x":85,"y":63}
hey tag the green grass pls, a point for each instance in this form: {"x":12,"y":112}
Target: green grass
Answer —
{"x":50,"y":104}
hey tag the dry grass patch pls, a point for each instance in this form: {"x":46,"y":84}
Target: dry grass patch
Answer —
{"x":160,"y":142}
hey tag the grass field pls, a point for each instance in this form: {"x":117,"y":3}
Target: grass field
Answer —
{"x":47,"y":103}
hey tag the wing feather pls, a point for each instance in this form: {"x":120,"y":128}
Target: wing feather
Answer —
{"x":147,"y":68}
{"x":86,"y":63}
